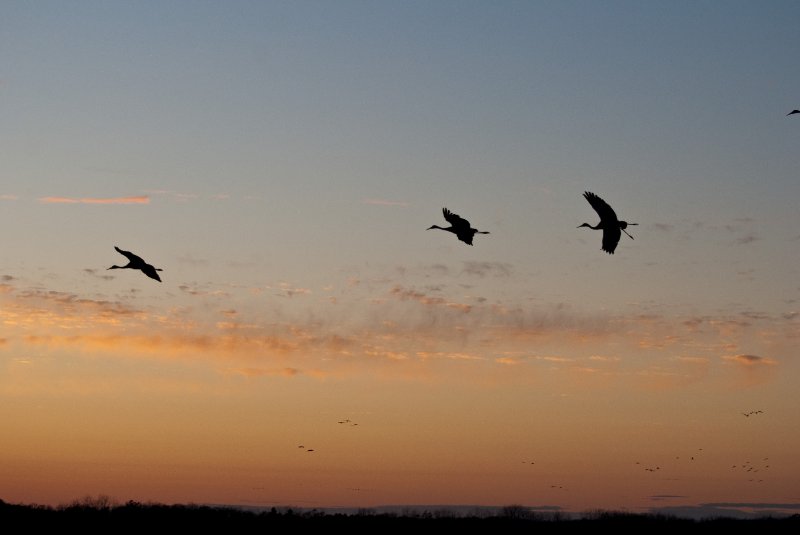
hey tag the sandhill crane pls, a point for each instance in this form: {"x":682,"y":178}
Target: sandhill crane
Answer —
{"x":792,"y":112}
{"x":459,"y":226}
{"x":134,"y":262}
{"x":609,"y":223}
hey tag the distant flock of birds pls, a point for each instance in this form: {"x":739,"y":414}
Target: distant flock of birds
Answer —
{"x":611,"y":226}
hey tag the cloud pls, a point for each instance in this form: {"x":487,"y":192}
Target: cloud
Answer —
{"x":756,"y":505}
{"x":174,"y":195}
{"x":509,"y":361}
{"x":197,"y":290}
{"x":407,"y":294}
{"x":738,"y":510}
{"x":746,"y":239}
{"x":749,"y":361}
{"x":190,"y":260}
{"x":7,"y":197}
{"x":753,"y":370}
{"x":7,"y":278}
{"x":483,"y":269}
{"x":262,"y":372}
{"x":139,"y":199}
{"x":383,"y":202}
{"x":662,"y":227}
{"x":285,"y":289}
{"x":692,"y":360}
{"x":101,"y":275}
{"x":600,"y":358}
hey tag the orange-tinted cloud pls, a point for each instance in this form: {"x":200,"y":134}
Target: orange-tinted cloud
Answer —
{"x":750,"y":361}
{"x":138,"y":199}
{"x":753,"y":370}
{"x":262,"y":372}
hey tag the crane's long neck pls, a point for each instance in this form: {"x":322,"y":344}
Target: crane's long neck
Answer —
{"x":120,"y":267}
{"x":450,"y":229}
{"x":596,"y":227}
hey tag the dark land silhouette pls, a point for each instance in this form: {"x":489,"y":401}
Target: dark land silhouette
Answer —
{"x":458,"y":226}
{"x":103,"y":514}
{"x":609,"y":224}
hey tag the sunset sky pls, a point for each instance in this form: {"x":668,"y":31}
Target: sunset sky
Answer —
{"x":281,"y":162}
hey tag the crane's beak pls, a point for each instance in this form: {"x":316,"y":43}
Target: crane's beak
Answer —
{"x":626,"y":232}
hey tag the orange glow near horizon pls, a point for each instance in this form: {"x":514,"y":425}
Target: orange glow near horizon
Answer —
{"x":176,"y":411}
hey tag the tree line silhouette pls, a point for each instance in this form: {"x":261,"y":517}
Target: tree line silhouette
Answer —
{"x":104,"y":514}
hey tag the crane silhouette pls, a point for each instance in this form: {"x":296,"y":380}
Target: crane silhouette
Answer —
{"x":459,"y":226}
{"x":792,"y":112}
{"x":134,"y":262}
{"x":609,"y":224}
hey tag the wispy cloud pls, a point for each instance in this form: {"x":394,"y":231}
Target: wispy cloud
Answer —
{"x":263,"y":372}
{"x":483,"y":269}
{"x":749,"y":361}
{"x":100,"y":275}
{"x":198,"y":290}
{"x":137,"y":199}
{"x":509,"y":361}
{"x":7,"y":197}
{"x":384,"y":202}
{"x":746,"y":239}
{"x":662,"y":227}
{"x":408,"y":294}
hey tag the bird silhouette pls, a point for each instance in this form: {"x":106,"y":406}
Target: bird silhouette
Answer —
{"x":792,"y":112}
{"x":134,"y":262}
{"x":459,"y":226}
{"x":609,"y":224}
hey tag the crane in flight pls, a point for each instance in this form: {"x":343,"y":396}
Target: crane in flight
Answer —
{"x":458,"y":226}
{"x":134,"y":262}
{"x":609,"y":224}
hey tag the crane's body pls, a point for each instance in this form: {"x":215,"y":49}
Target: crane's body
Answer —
{"x":458,"y":226}
{"x":611,"y":226}
{"x":135,"y":262}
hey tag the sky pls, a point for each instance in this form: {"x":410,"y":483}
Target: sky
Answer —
{"x":281,"y":162}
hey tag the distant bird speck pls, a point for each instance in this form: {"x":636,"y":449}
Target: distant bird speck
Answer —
{"x":134,"y":262}
{"x":609,"y":224}
{"x":459,"y":226}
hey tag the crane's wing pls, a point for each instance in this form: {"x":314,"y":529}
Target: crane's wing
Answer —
{"x":455,"y":220}
{"x":611,"y":237}
{"x":132,"y":257}
{"x":151,"y":272}
{"x":466,"y":237}
{"x":602,"y":208}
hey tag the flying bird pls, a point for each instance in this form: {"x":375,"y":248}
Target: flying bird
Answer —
{"x":792,"y":112}
{"x":609,"y":224}
{"x":458,"y":226}
{"x":134,"y":262}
